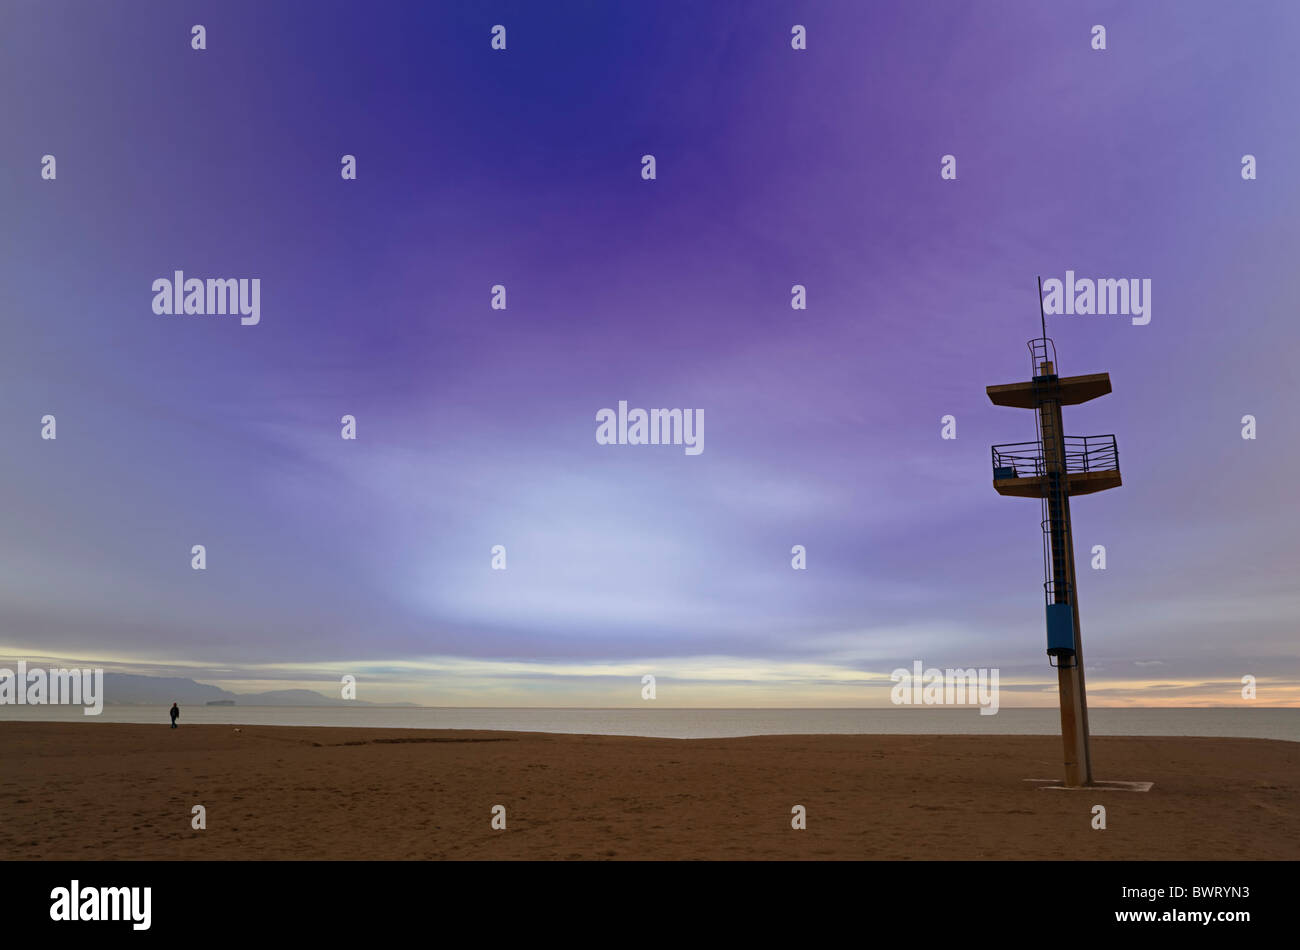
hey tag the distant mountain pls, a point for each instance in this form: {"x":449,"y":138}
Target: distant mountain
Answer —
{"x":130,"y":688}
{"x":294,"y":697}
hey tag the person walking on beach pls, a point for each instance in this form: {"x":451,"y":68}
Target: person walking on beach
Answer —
{"x":175,"y":714}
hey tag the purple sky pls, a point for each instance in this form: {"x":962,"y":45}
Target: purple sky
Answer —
{"x":476,"y":427}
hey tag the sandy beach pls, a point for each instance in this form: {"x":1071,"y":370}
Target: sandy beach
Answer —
{"x":115,"y":791}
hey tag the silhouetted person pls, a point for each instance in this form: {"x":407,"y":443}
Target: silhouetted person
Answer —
{"x":176,"y":712}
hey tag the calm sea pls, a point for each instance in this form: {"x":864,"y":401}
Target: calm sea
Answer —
{"x":1260,"y":723}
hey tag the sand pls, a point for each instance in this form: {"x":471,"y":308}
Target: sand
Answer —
{"x":115,"y":791}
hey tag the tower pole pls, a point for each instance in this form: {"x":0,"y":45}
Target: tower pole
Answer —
{"x":1069,"y":678}
{"x":1070,"y":683}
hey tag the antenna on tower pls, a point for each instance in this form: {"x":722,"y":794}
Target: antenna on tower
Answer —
{"x":1042,"y":317}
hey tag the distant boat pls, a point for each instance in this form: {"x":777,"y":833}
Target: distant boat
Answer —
{"x":221,"y":702}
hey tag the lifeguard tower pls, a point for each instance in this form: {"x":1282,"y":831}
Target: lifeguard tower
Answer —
{"x":1052,"y":469}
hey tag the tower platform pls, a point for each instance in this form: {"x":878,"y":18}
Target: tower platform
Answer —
{"x":1066,"y":390}
{"x":1091,"y":465}
{"x":1080,"y":483}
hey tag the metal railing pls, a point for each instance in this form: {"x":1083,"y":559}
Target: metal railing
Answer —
{"x":1083,"y":453}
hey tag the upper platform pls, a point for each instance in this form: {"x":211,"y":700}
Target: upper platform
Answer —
{"x":1067,"y":390}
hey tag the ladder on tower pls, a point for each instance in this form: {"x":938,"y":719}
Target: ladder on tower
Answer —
{"x":1058,"y":590}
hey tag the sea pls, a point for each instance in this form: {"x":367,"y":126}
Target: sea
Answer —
{"x":671,"y":723}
